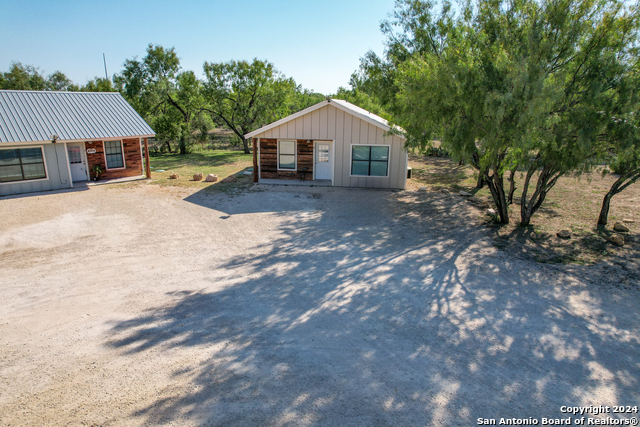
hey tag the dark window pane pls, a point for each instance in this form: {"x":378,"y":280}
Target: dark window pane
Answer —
{"x":10,"y":173}
{"x":31,"y":155}
{"x":361,"y":152}
{"x":33,"y":171}
{"x":380,"y":153}
{"x":360,"y":168}
{"x":378,"y":168}
{"x":9,"y":157}
{"x":113,"y":151}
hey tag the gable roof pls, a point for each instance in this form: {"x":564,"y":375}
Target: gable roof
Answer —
{"x":345,"y":106}
{"x":34,"y":116}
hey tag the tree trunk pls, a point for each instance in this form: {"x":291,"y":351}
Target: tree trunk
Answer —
{"x":604,"y":211}
{"x":245,"y":144}
{"x":616,"y":187}
{"x":183,"y":145}
{"x":512,"y":186}
{"x":480,"y":182}
{"x":495,"y":183}
{"x":169,"y":146}
{"x":546,"y":180}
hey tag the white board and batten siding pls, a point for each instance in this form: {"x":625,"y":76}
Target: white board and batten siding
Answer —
{"x":56,"y":169}
{"x":344,"y":129}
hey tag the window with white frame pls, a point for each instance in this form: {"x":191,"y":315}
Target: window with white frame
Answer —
{"x":370,"y":160}
{"x":287,"y":155}
{"x":113,"y":154}
{"x":21,"y":164}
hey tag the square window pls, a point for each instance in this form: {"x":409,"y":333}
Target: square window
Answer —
{"x":370,"y":160}
{"x":113,"y":154}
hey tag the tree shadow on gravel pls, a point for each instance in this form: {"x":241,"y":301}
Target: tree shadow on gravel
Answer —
{"x":382,"y":308}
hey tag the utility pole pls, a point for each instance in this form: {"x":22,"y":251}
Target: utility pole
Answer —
{"x":104,"y":58}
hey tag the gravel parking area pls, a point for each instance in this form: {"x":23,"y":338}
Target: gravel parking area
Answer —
{"x":146,"y":305}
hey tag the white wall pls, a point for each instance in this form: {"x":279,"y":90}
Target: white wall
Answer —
{"x":331,"y":123}
{"x":57,"y":173}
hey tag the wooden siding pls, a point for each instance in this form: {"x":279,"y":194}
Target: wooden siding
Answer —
{"x":331,"y":123}
{"x":269,"y":158}
{"x":132,"y":159}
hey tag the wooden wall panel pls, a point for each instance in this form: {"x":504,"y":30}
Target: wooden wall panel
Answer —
{"x":269,"y":160}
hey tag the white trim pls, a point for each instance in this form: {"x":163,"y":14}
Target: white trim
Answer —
{"x":313,"y":175}
{"x":406,"y":166}
{"x":64,"y":141}
{"x":66,"y":155}
{"x":86,"y":161}
{"x":295,"y":155}
{"x":333,"y":166}
{"x":338,"y":105}
{"x":44,"y":162}
{"x":370,"y":176}
{"x":259,"y":168}
{"x":104,"y":154}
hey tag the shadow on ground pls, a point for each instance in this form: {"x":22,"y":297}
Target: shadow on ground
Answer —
{"x":382,"y":308}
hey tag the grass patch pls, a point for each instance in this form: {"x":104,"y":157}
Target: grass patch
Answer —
{"x":223,"y":163}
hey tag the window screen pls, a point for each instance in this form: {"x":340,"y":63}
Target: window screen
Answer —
{"x":113,"y":153}
{"x":21,"y":164}
{"x":286,"y":155}
{"x":369,"y":160}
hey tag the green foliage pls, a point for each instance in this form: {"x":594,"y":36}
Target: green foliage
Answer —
{"x":247,"y":95}
{"x":362,"y":99}
{"x":99,"y":84}
{"x":168,"y":98}
{"x":506,"y":83}
{"x":28,"y":77}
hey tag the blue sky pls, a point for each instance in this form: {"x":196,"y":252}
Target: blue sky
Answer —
{"x":318,"y":43}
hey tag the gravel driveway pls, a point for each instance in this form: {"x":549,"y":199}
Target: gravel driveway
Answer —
{"x":142,"y":305}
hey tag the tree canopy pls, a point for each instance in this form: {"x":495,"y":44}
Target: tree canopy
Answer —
{"x":506,"y":84}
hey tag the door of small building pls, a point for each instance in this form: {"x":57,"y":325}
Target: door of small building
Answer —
{"x":324,"y":159}
{"x":77,"y":163}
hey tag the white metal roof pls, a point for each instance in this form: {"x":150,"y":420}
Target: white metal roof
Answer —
{"x":34,"y":116}
{"x":338,"y":103}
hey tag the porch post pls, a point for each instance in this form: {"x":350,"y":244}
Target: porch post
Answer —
{"x":255,"y":159}
{"x":147,"y":164}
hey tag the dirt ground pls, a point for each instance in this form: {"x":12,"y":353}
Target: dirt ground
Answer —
{"x":573,"y":203}
{"x":147,"y":305}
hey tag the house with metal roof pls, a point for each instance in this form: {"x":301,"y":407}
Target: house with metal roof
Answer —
{"x":333,"y":143}
{"x":51,"y":140}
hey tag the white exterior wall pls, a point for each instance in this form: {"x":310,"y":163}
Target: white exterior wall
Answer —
{"x":333,"y":124}
{"x":57,"y":172}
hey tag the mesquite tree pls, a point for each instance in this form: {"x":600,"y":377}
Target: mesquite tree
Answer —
{"x":511,"y":85}
{"x":168,"y":98}
{"x":246,"y":95}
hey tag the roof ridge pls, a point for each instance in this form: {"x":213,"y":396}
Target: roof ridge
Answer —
{"x":58,"y":91}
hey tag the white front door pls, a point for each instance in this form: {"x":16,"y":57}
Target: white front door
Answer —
{"x":76,"y":162}
{"x":324,"y":159}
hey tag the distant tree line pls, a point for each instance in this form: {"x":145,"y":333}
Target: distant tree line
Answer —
{"x":239,"y":95}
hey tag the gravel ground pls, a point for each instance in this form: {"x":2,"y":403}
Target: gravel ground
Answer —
{"x":141,"y":305}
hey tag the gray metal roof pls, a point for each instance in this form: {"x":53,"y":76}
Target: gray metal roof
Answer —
{"x":33,"y":116}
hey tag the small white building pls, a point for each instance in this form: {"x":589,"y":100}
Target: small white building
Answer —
{"x":333,"y":141}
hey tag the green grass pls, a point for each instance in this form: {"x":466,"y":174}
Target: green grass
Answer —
{"x":220,"y":162}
